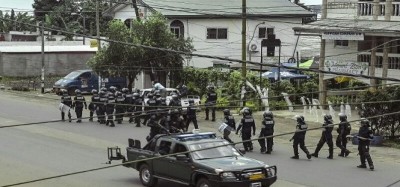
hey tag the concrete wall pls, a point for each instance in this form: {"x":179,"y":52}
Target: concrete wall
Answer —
{"x":30,"y":64}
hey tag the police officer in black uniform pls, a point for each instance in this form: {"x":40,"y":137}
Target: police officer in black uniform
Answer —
{"x":299,"y":138}
{"x":343,"y":129}
{"x":101,"y":107}
{"x":154,"y":128}
{"x":110,"y":109}
{"x":176,"y":124}
{"x":267,"y":129}
{"x":138,"y":102}
{"x":93,"y":104}
{"x":364,"y":138}
{"x":151,"y":107}
{"x":120,"y":107}
{"x":211,"y":101}
{"x":128,"y":101}
{"x":191,"y":115}
{"x":175,"y":103}
{"x":326,"y":137}
{"x":230,"y":121}
{"x":246,"y":124}
{"x":79,"y":102}
{"x":66,"y":100}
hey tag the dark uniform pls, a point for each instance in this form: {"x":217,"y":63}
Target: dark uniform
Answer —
{"x":246,"y":124}
{"x":343,"y":130}
{"x":151,"y":108}
{"x":365,"y":136}
{"x":119,"y":108}
{"x":110,"y":109}
{"x":176,"y":124}
{"x":299,"y":138}
{"x":230,"y":121}
{"x":66,"y":100}
{"x":93,"y":104}
{"x":175,"y":103}
{"x":79,"y":102}
{"x":211,"y":101}
{"x":138,"y":102}
{"x":154,"y":128}
{"x":267,"y":129}
{"x":191,"y":115}
{"x":101,"y":107}
{"x":326,"y":137}
{"x":128,"y":101}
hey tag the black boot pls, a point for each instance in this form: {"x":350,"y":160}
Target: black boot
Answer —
{"x":295,"y":157}
{"x":315,"y":155}
{"x":362,"y":166}
{"x":346,"y":153}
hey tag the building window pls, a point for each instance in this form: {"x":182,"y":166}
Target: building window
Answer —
{"x":177,"y":28}
{"x":262,"y":32}
{"x":342,"y":43}
{"x":270,"y":31}
{"x":270,"y":51}
{"x":217,"y":33}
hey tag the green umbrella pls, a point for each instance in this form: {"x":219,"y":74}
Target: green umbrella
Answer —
{"x":307,"y":64}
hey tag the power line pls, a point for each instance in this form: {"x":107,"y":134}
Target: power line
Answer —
{"x":186,"y":152}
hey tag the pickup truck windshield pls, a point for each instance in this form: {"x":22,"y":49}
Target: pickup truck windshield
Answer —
{"x":72,"y":75}
{"x":219,"y":152}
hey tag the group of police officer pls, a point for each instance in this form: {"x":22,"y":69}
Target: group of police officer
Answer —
{"x":164,"y":119}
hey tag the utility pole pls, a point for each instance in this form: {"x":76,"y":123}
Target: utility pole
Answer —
{"x":42,"y":54}
{"x":244,"y":24}
{"x":321,"y":82}
{"x":98,"y":33}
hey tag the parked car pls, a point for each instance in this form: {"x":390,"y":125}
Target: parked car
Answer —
{"x":194,"y":159}
{"x":86,"y":80}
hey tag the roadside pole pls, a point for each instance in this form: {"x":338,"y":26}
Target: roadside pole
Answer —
{"x":42,"y":55}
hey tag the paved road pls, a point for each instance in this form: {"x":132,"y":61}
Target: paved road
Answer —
{"x":45,"y":150}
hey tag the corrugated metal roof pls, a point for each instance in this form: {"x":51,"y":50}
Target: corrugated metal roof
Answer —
{"x":364,"y":26}
{"x":225,"y":7}
{"x":38,"y":49}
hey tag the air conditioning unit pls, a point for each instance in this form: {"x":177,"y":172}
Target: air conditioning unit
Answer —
{"x":254,"y":47}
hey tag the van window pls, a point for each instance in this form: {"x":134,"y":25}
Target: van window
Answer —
{"x":86,"y":75}
{"x":165,"y":147}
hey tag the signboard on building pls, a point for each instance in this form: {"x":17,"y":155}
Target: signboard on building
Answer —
{"x":356,"y":68}
{"x":93,"y":43}
{"x":342,"y":36}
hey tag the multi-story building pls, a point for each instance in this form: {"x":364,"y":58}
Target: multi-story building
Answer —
{"x":361,"y":37}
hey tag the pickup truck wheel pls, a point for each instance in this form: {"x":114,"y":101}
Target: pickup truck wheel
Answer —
{"x":203,"y":183}
{"x":146,"y":176}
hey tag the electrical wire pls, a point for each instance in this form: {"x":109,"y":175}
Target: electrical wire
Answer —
{"x":187,"y":152}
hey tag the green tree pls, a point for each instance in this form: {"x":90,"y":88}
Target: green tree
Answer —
{"x":43,"y":7}
{"x":123,"y":60}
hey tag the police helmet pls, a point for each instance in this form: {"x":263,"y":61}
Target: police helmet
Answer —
{"x":103,"y":89}
{"x":191,"y":101}
{"x":150,"y":95}
{"x":125,"y":90}
{"x":246,"y":112}
{"x":157,"y":94}
{"x":136,"y":95}
{"x":113,"y":88}
{"x":64,"y":91}
{"x":77,"y":91}
{"x":153,"y":117}
{"x":118,"y":93}
{"x":94,"y":91}
{"x":342,"y":117}
{"x":102,"y":92}
{"x":299,"y":118}
{"x":211,"y":87}
{"x":174,"y":96}
{"x":364,"y":122}
{"x":247,"y":108}
{"x":227,"y":112}
{"x":328,"y":118}
{"x":268,"y":114}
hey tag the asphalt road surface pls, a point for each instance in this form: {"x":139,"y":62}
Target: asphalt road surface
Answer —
{"x":44,"y":150}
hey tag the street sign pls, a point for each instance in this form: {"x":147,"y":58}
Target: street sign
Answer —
{"x":93,"y":43}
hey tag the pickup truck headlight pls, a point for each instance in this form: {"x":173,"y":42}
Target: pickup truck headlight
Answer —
{"x":228,"y":175}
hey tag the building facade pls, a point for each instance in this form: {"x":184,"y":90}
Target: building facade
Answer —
{"x":361,"y":37}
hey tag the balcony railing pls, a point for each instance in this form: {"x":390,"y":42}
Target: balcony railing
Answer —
{"x":393,"y":60}
{"x":367,"y":8}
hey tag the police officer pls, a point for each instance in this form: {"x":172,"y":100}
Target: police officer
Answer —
{"x":230,"y":121}
{"x":101,"y":107}
{"x":267,"y":129}
{"x":299,"y":138}
{"x":110,"y":109}
{"x":211,"y":101}
{"x":120,"y":107}
{"x":246,"y":124}
{"x":176,"y":124}
{"x":151,"y":107}
{"x":66,"y":100}
{"x":326,"y":137}
{"x":154,"y":128}
{"x":364,"y":138}
{"x":191,"y":115}
{"x":128,"y":101}
{"x":343,"y":130}
{"x":138,"y":103}
{"x":79,"y":101}
{"x":93,"y":104}
{"x":113,"y":89}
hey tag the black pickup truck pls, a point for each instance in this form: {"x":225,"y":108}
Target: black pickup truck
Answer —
{"x":194,"y":159}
